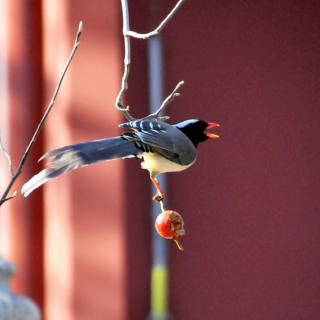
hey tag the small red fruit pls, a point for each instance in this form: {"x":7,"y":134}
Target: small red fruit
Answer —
{"x":170,"y":225}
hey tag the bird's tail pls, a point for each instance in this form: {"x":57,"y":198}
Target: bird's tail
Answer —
{"x":79,"y":155}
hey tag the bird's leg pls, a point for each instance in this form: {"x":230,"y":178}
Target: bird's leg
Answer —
{"x":160,"y":195}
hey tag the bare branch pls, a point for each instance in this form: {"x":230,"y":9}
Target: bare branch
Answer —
{"x":127,"y":60}
{"x":7,"y":155}
{"x":165,"y":102}
{"x":156,"y":31}
{"x":76,"y":45}
{"x":8,"y":198}
{"x":127,"y":51}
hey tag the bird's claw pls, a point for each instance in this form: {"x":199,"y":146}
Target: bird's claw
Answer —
{"x":158,"y":197}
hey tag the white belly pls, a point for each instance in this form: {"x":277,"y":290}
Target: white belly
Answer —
{"x":156,"y":164}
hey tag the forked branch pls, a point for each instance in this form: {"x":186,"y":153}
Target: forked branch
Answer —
{"x":23,"y":159}
{"x":165,"y":102}
{"x":127,"y":33}
{"x":157,"y":30}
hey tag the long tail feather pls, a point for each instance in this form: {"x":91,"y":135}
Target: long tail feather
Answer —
{"x":79,"y":155}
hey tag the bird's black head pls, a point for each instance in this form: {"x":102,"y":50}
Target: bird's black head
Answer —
{"x":197,"y":130}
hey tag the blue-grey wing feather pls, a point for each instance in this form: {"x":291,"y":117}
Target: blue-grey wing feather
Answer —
{"x":163,"y":138}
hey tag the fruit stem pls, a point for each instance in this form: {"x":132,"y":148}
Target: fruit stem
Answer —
{"x":179,"y":245}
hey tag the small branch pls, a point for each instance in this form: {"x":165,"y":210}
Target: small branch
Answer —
{"x":5,"y":197}
{"x":162,"y":206}
{"x":165,"y":102}
{"x":156,"y":31}
{"x":127,"y":51}
{"x":8,"y":198}
{"x":127,"y":60}
{"x":6,"y":154}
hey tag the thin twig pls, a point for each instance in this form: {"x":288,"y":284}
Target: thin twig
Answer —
{"x":165,"y":102}
{"x":5,"y":197}
{"x":127,"y":33}
{"x":9,"y":198}
{"x":157,"y":30}
{"x":162,"y":205}
{"x":7,"y":155}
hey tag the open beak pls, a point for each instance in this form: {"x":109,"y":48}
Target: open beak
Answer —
{"x":210,"y":134}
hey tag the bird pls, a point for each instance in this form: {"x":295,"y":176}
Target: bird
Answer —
{"x":161,"y":146}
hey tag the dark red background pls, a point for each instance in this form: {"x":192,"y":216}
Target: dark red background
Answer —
{"x":251,"y":202}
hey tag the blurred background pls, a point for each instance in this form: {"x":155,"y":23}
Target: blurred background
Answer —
{"x":251,"y":202}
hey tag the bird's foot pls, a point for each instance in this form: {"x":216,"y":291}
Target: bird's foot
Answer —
{"x":158,"y":197}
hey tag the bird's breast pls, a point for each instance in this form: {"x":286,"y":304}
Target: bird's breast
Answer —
{"x":157,"y":164}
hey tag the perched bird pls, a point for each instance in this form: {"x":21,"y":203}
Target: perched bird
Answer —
{"x":161,"y":146}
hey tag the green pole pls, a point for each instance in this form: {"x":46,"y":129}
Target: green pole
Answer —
{"x":159,"y":292}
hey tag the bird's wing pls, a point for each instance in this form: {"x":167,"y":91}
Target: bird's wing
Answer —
{"x":145,"y":125}
{"x":163,"y":138}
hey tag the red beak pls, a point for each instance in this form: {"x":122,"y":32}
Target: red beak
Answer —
{"x":210,"y":126}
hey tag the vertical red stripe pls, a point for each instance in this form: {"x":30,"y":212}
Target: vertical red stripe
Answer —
{"x":25,"y":100}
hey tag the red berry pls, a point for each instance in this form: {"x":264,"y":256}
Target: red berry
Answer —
{"x":169,"y":224}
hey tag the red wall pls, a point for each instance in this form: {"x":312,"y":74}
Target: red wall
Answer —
{"x":23,"y":48}
{"x":250,"y":203}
